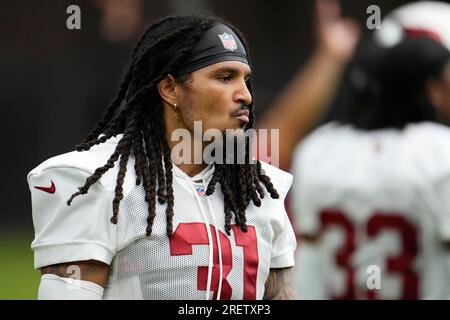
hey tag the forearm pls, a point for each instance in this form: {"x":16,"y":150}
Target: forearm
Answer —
{"x":279,"y":285}
{"x":93,"y":271}
{"x":80,"y":280}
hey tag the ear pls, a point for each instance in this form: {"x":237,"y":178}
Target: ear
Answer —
{"x":167,"y":89}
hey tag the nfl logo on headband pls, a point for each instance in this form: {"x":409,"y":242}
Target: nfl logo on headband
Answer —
{"x":228,"y":41}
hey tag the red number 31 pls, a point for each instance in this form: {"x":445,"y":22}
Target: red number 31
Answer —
{"x":188,"y":234}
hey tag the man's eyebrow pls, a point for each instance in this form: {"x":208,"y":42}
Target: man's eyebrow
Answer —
{"x":230,"y":70}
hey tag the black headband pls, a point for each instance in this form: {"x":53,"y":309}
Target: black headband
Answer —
{"x":218,"y":44}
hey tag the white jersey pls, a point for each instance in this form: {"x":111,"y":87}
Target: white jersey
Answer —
{"x":379,"y":204}
{"x":200,"y":261}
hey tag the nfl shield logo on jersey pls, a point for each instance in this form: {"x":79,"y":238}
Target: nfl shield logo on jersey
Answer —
{"x":228,"y":41}
{"x":200,"y":191}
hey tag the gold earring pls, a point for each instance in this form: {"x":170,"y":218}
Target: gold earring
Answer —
{"x":175,"y":109}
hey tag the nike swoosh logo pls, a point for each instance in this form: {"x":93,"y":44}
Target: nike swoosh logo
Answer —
{"x":50,"y":189}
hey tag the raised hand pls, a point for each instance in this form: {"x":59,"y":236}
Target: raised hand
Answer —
{"x":337,"y":36}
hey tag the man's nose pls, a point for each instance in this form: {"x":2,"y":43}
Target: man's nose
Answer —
{"x":243,"y":95}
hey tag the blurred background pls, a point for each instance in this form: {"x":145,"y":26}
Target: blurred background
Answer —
{"x":56,"y":82}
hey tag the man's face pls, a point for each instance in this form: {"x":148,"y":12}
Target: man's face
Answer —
{"x":217,"y":95}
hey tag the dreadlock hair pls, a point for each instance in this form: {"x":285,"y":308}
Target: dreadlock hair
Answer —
{"x":137,"y":113}
{"x":386,"y":87}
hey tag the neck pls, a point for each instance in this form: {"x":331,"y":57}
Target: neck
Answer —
{"x":191,"y":170}
{"x":185,"y":145}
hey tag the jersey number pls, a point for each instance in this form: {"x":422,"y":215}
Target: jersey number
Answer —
{"x":400,"y":264}
{"x":188,"y":234}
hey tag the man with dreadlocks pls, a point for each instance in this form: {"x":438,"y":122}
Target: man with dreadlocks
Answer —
{"x":141,"y":227}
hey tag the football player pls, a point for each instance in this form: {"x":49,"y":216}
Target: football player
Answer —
{"x":117,"y":219}
{"x":371,"y":186}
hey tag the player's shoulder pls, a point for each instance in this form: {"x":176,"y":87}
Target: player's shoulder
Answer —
{"x":332,"y":128}
{"x":85,"y":162}
{"x":281,"y":179}
{"x":429,"y":131}
{"x":429,"y":145}
{"x":429,"y":139}
{"x":328,"y":138}
{"x":327,"y":134}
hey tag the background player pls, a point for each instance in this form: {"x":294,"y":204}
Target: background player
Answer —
{"x":371,"y":186}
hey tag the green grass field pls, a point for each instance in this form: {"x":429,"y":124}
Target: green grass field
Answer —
{"x":18,"y":279}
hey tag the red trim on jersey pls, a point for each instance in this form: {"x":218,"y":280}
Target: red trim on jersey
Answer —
{"x":248,"y":242}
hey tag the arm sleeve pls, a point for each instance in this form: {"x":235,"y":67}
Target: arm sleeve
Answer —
{"x":284,"y":241}
{"x":53,"y":287}
{"x":284,"y":244}
{"x":63,"y":233}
